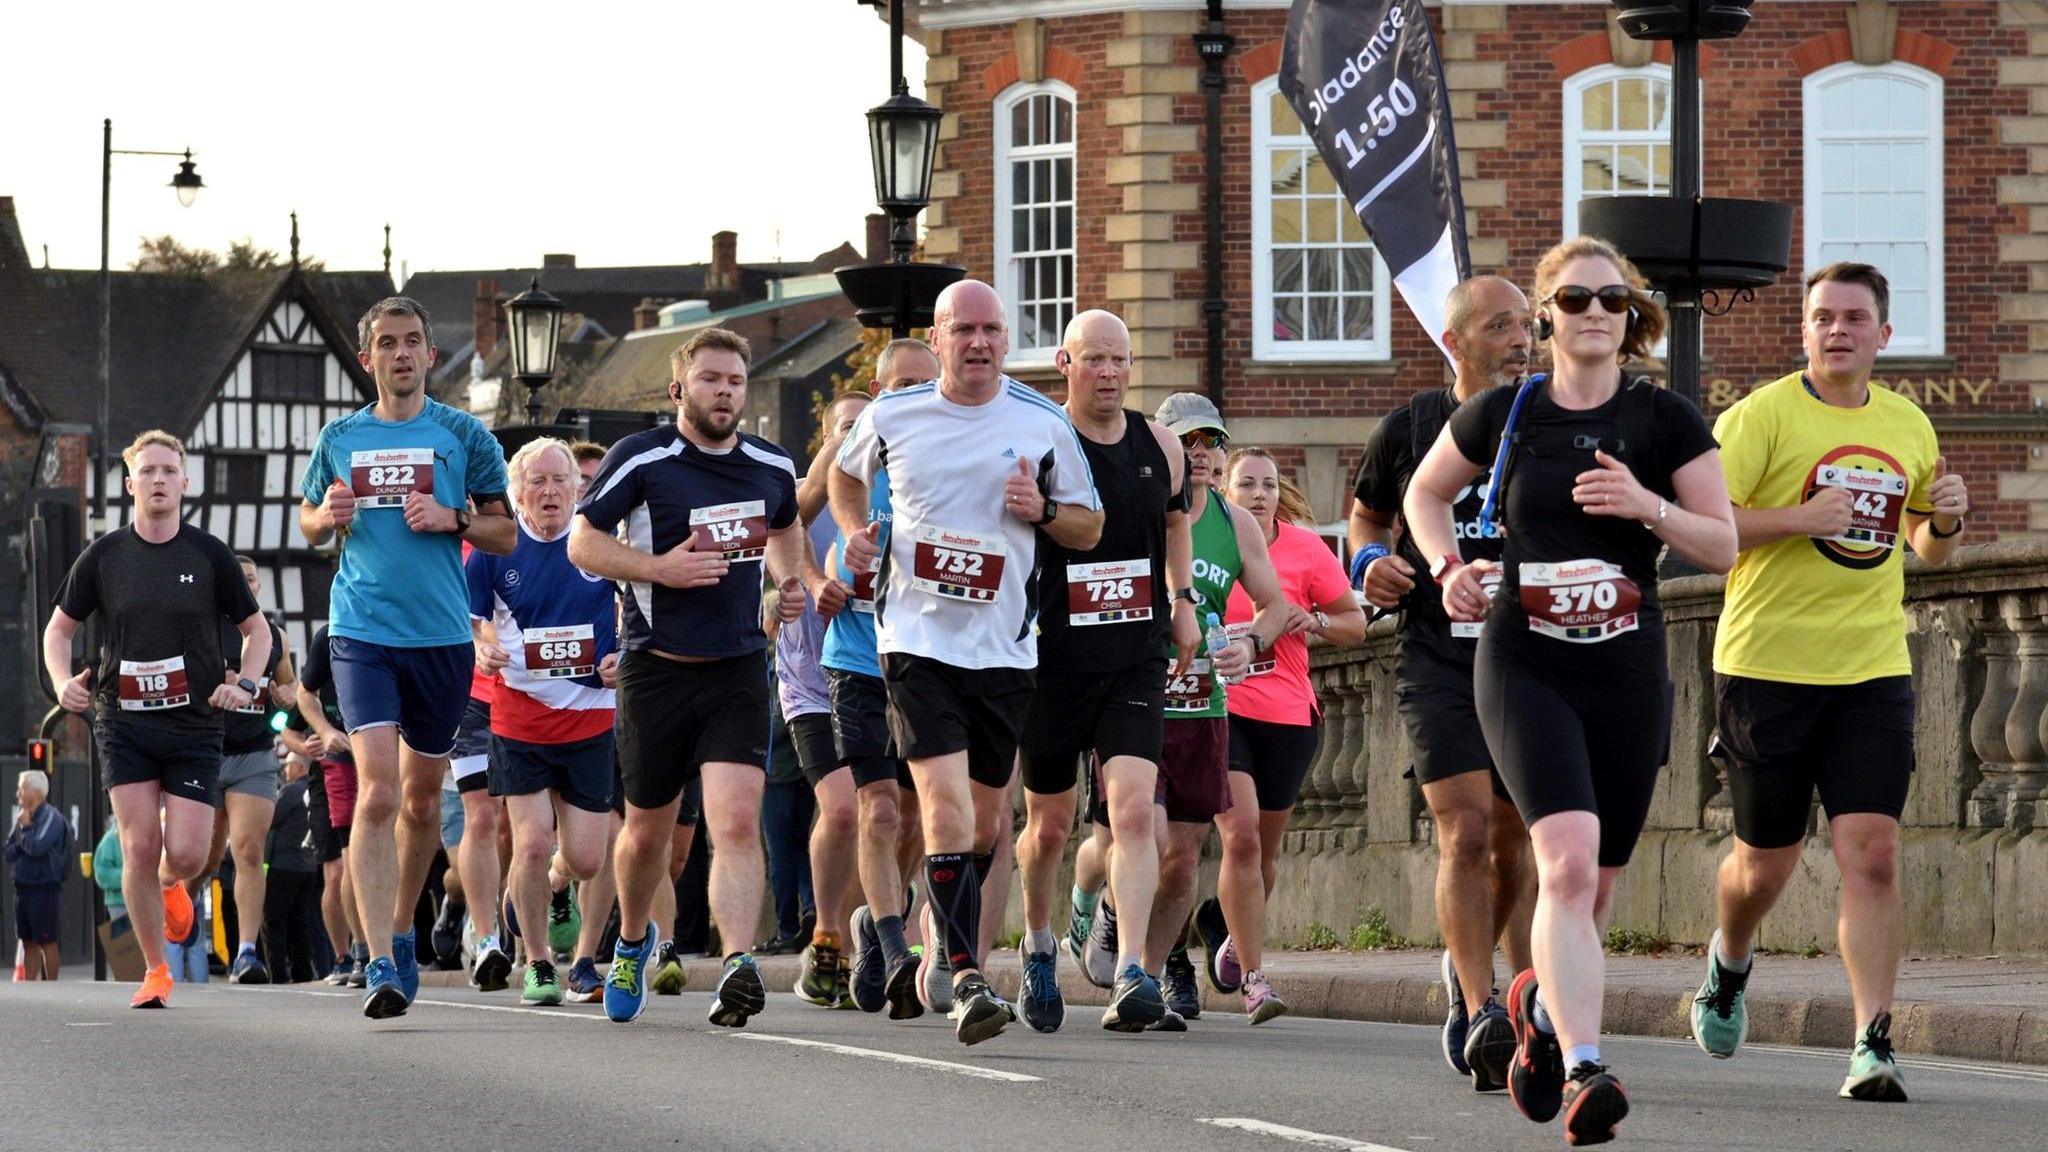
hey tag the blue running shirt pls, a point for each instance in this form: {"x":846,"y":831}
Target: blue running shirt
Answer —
{"x":850,"y":638}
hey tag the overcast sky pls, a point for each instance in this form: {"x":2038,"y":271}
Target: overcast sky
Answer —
{"x":484,"y":133}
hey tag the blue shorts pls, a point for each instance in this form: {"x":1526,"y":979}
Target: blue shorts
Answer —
{"x":36,"y":913}
{"x":452,"y":819}
{"x":581,"y":772}
{"x":420,"y":691}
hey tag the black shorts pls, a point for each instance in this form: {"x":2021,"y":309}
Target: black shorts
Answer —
{"x":1112,"y":714}
{"x":1577,"y":728}
{"x":1853,"y":743}
{"x":472,"y":760}
{"x":936,"y":710}
{"x":860,"y":729}
{"x":35,"y":913}
{"x":183,"y":761}
{"x":673,"y":718}
{"x":1276,"y":756}
{"x":811,"y":734}
{"x":581,"y":771}
{"x":1194,"y":769}
{"x":1444,"y":737}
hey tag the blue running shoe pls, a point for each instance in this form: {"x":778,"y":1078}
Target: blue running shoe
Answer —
{"x":870,"y":966}
{"x":1456,"y":1024}
{"x":383,"y":998}
{"x":625,"y":991}
{"x":1137,"y":1002}
{"x":740,"y":993}
{"x":248,"y":969}
{"x":1038,"y":996}
{"x":406,"y":960}
{"x":583,"y":984}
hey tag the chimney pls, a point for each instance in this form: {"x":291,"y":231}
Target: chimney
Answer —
{"x":647,"y":314}
{"x":558,"y":260}
{"x":878,"y":238}
{"x":13,"y":252}
{"x":484,"y":317}
{"x":724,"y":277}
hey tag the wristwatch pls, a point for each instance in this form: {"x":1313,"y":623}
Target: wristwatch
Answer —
{"x":1322,"y":621}
{"x":1052,"y":512}
{"x":1443,"y":564}
{"x":461,"y":521}
{"x":1187,"y":594}
{"x":247,"y":686}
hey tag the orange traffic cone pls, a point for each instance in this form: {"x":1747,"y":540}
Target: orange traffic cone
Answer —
{"x":20,"y":962}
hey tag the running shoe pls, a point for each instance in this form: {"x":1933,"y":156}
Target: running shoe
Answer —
{"x":1536,"y":1074}
{"x":981,"y":1013}
{"x":1873,"y":1073}
{"x":1136,"y":1002}
{"x":1038,"y":994}
{"x":740,"y":993}
{"x":156,"y":989}
{"x":542,"y":985}
{"x":1098,"y":955}
{"x":406,"y":962}
{"x":343,"y":965}
{"x":1220,"y":959}
{"x":177,"y":913}
{"x":817,"y":980}
{"x":383,"y":997}
{"x":583,"y":985}
{"x":934,"y":970}
{"x":1171,"y":1022}
{"x":669,"y":977}
{"x":1720,"y":1018}
{"x":565,"y":922}
{"x":1183,"y":997}
{"x":509,"y":920}
{"x":869,"y":972}
{"x":1261,"y":1003}
{"x":1593,"y":1104}
{"x":359,"y":968}
{"x":248,"y":968}
{"x":1455,"y":1023}
{"x":492,"y":968}
{"x":625,"y":989}
{"x":448,"y":933}
{"x":1079,"y":925}
{"x":900,"y":988}
{"x":1489,"y":1047}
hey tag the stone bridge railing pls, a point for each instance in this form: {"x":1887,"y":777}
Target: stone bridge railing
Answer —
{"x":1974,"y":858}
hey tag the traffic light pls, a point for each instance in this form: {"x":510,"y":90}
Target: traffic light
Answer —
{"x":41,"y":754}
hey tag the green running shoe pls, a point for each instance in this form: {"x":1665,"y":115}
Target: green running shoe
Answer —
{"x":1873,"y":1074}
{"x":565,"y":923}
{"x":818,"y":982}
{"x":542,"y":986}
{"x":669,"y":977}
{"x":1720,"y":1021}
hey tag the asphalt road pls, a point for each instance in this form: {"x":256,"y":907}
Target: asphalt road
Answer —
{"x":269,"y":1068}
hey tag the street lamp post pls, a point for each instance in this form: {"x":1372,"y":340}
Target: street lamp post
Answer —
{"x":536,"y":332}
{"x":187,"y":183}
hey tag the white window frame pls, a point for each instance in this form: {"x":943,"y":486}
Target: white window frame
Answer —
{"x":1936,"y":341}
{"x":1264,"y":346}
{"x":1007,"y":152}
{"x":1575,"y":127}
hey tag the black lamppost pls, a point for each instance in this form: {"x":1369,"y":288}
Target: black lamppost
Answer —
{"x":187,"y":183}
{"x":536,"y":332}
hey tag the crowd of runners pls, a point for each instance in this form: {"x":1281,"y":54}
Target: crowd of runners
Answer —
{"x":557,"y":667}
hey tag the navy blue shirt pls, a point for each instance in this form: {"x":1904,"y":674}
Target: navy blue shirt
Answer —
{"x":663,"y":488}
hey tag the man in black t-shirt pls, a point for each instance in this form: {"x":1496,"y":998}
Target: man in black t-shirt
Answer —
{"x":159,"y":587}
{"x":1481,"y":843}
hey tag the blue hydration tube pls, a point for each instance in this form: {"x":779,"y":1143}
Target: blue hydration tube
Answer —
{"x":1490,"y":509}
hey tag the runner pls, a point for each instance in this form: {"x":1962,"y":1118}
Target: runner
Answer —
{"x":551,"y":723}
{"x":476,"y":853}
{"x":706,"y":507}
{"x":249,"y":780}
{"x":1812,"y":678}
{"x":977,"y":464}
{"x":1483,"y":890}
{"x":1573,"y":691}
{"x":1108,"y":614}
{"x":396,"y":481}
{"x":159,"y":688}
{"x":331,"y":797}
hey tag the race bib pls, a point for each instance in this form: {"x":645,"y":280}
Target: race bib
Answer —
{"x":1580,"y":601}
{"x":1236,"y":632}
{"x":260,"y":705}
{"x":1463,"y":630}
{"x":150,"y":685}
{"x":1109,"y":592}
{"x":863,"y":598}
{"x":1190,"y":691}
{"x":739,"y":531}
{"x":1877,"y":500}
{"x":561,"y":653}
{"x":383,"y":478}
{"x":956,"y":564}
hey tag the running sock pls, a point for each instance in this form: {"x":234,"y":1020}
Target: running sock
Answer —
{"x":1085,"y":902}
{"x":1541,"y":1017}
{"x":1581,"y":1054}
{"x":955,"y":891}
{"x":637,"y":947}
{"x":1040,"y":940}
{"x":247,"y":949}
{"x":894,"y":947}
{"x":984,"y":864}
{"x":1721,"y":957}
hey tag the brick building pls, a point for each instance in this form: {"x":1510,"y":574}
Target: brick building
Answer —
{"x":1911,"y":134}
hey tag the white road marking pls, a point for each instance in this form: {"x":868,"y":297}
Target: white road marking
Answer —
{"x":893,"y":1058}
{"x":86,"y":1023}
{"x":1940,"y":1064}
{"x":1297,"y":1135}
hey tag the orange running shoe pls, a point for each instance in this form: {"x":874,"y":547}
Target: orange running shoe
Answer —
{"x":156,"y":989}
{"x":177,"y":913}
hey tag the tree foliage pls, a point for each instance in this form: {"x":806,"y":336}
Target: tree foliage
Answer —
{"x":166,"y":255}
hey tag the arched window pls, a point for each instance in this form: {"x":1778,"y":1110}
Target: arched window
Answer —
{"x":1617,"y":135}
{"x":1034,"y":216}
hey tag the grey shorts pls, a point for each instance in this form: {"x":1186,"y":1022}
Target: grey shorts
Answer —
{"x":251,"y":774}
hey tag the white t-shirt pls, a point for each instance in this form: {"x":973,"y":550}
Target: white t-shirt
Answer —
{"x":957,"y":582}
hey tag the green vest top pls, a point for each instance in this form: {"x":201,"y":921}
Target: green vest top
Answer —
{"x":1217,"y":564}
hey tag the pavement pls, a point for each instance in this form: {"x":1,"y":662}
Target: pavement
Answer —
{"x":228,"y":1068}
{"x":1985,"y":1008}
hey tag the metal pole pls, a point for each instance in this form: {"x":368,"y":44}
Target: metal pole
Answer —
{"x":897,"y":84}
{"x":99,"y":485}
{"x":1213,"y":44}
{"x":1683,"y":300}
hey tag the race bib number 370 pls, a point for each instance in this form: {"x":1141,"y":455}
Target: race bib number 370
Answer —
{"x":150,"y":685}
{"x":383,"y":478}
{"x":1876,"y":499}
{"x":1580,"y":601}
{"x":1109,"y":592}
{"x":739,"y":530}
{"x":957,"y":564}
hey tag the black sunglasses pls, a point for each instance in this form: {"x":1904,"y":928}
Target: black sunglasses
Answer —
{"x":1573,"y":299}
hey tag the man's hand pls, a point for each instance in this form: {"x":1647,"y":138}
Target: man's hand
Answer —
{"x":423,"y":513}
{"x":1299,"y":620}
{"x":1828,"y":512}
{"x":831,"y":596}
{"x":863,"y":548}
{"x":318,"y":745}
{"x":339,"y":506}
{"x":490,"y":658}
{"x":1387,"y":580}
{"x":76,"y":693}
{"x":684,"y":567}
{"x":1948,"y":494}
{"x":1187,"y":637}
{"x":608,"y":671}
{"x":228,"y":696}
{"x":1234,"y":660}
{"x":1021,"y":497}
{"x":790,"y":599}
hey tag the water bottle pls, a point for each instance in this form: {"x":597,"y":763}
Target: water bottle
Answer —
{"x":1217,"y":641}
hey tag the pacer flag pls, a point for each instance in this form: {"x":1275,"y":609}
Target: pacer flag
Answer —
{"x":1364,"y":76}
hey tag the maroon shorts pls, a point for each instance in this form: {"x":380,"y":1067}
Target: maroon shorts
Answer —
{"x":340,"y":780}
{"x":1194,"y":769}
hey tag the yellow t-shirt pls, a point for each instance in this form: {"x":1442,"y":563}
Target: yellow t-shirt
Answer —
{"x":1813,"y":611}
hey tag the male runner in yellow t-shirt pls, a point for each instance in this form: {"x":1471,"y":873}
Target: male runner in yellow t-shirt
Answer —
{"x":1813,"y":683}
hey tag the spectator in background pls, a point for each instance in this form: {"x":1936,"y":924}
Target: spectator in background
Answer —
{"x":291,"y":910}
{"x":106,"y":871}
{"x":35,"y":854}
{"x":786,"y":810}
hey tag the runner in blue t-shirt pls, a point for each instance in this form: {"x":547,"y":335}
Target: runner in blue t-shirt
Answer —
{"x":403,"y":482}
{"x":703,"y":508}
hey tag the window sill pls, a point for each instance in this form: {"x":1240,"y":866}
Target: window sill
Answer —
{"x":1272,"y":369}
{"x":1897,"y":364}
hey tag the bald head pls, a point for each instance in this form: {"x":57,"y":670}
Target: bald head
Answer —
{"x":970,"y":337}
{"x":1095,"y":357}
{"x":1098,"y":325}
{"x":1486,"y":329}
